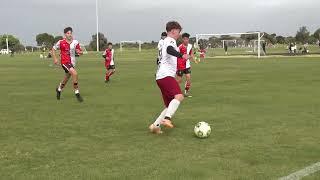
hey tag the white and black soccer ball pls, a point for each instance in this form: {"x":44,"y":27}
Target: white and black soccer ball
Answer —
{"x":202,"y":130}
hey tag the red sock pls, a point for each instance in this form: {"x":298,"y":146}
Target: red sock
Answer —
{"x":107,"y":77}
{"x":187,"y":86}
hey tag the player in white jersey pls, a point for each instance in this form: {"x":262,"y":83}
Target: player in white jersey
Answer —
{"x":165,"y":77}
{"x":160,"y":44}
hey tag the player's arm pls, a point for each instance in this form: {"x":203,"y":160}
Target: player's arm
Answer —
{"x":192,"y":56}
{"x":104,"y":55}
{"x":175,"y":53}
{"x":78,"y":49}
{"x":53,"y":52}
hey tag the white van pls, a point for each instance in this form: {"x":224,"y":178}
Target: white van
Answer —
{"x":5,"y":51}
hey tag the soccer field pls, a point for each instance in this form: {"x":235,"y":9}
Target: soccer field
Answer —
{"x":264,"y":115}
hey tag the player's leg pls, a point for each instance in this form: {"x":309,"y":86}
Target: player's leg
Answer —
{"x":64,"y":82}
{"x":74,"y":76}
{"x":179,"y":76}
{"x":107,"y":76}
{"x":172,"y":97}
{"x":187,"y":84}
{"x":112,"y":70}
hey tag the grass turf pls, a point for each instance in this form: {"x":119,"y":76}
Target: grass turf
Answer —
{"x":264,"y":115}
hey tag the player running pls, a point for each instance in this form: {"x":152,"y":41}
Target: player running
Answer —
{"x":184,"y":66}
{"x":108,"y":55}
{"x":165,"y":77}
{"x":68,"y":49}
{"x":160,"y":44}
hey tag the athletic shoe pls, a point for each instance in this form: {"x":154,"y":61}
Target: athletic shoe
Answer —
{"x":79,"y":98}
{"x":167,"y":123}
{"x":58,"y":94}
{"x":154,"y":129}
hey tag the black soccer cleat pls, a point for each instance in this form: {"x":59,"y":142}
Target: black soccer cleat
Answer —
{"x":79,"y":98}
{"x":58,"y":94}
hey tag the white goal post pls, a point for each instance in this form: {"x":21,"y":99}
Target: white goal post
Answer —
{"x":131,"y":42}
{"x":259,"y":37}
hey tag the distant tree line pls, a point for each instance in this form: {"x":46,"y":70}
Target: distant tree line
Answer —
{"x":303,"y":35}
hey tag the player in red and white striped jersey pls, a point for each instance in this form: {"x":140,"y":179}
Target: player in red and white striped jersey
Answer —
{"x":184,"y":66}
{"x":108,"y":55}
{"x":68,"y":49}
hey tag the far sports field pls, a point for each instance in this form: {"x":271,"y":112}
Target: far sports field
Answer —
{"x":264,"y":116}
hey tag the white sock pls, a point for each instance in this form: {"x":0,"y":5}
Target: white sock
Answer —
{"x":157,"y":122}
{"x":172,"y":108}
{"x":76,"y":91}
{"x":59,"y":88}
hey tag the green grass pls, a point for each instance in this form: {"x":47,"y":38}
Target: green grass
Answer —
{"x":264,"y":115}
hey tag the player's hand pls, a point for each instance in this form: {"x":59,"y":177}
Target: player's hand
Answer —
{"x":55,"y":61}
{"x":79,"y":51}
{"x":186,"y":56}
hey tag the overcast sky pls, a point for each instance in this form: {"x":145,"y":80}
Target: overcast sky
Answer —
{"x":145,"y":19}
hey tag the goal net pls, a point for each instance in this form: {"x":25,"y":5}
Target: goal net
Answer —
{"x":231,"y":44}
{"x":130,"y":45}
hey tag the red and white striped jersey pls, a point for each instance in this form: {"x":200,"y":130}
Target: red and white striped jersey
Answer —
{"x":109,"y":53}
{"x":67,"y":51}
{"x":182,"y":63}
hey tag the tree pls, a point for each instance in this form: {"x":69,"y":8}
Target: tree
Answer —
{"x":14,"y":43}
{"x":214,"y":41}
{"x":57,"y":38}
{"x":45,"y":39}
{"x":103,"y":42}
{"x":203,"y":43}
{"x":302,"y":35}
{"x":192,"y":40}
{"x":312,"y":40}
{"x":290,"y":39}
{"x":317,"y":34}
{"x":281,"y":40}
{"x":270,"y":38}
{"x":248,"y":37}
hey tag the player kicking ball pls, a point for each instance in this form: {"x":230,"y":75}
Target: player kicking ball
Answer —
{"x":108,"y":55}
{"x":68,"y":49}
{"x":165,"y":77}
{"x":184,"y":67}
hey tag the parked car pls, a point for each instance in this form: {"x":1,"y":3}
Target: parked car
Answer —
{"x":5,"y":51}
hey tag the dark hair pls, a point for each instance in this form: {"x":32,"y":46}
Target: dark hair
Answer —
{"x":67,"y":29}
{"x":109,"y":43}
{"x":185,"y":35}
{"x":163,"y":34}
{"x":173,"y":25}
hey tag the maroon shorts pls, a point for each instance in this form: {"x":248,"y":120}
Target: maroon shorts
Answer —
{"x":169,"y":88}
{"x":66,"y":67}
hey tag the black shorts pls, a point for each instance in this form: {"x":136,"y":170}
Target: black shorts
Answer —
{"x":66,"y":67}
{"x":111,"y":67}
{"x":182,"y":72}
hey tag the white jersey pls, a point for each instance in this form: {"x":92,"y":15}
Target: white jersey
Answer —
{"x":167,"y":63}
{"x":189,"y":49}
{"x":160,"y":44}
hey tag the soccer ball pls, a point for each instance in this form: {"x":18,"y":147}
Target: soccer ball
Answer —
{"x":202,"y":130}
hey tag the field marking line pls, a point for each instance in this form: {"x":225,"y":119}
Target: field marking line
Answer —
{"x":303,"y":172}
